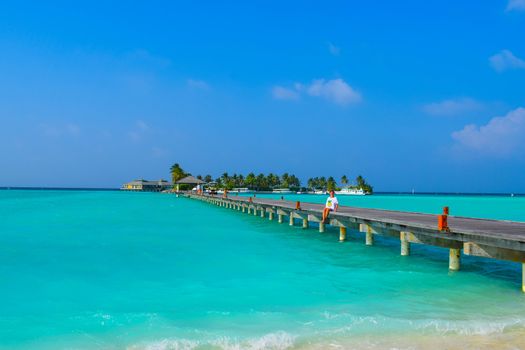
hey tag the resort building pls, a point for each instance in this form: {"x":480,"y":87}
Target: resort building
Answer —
{"x":146,"y":186}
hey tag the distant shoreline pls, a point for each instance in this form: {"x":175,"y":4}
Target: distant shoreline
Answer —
{"x":267,"y":192}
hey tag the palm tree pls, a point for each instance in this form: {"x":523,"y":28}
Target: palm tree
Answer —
{"x":330,"y":184}
{"x":344,"y":180}
{"x":360,"y":181}
{"x":261,"y":182}
{"x":250,"y":180}
{"x":294,"y":182}
{"x":177,"y":173}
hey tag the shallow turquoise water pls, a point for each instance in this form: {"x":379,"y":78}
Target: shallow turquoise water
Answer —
{"x":114,"y":270}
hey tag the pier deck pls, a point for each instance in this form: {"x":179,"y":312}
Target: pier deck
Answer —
{"x":497,"y":239}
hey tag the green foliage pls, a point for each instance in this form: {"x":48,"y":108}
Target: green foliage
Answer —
{"x":323,"y":184}
{"x":271,"y":181}
{"x":177,"y":173}
{"x":331,"y":184}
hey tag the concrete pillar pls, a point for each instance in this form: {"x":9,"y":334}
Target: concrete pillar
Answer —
{"x":405,"y":244}
{"x":270,"y":216}
{"x":523,"y":277}
{"x":262,"y":213}
{"x":321,"y":227}
{"x":342,"y":234}
{"x":305,"y":223}
{"x":454,"y":259}
{"x":291,"y":219}
{"x":369,"y":236}
{"x":248,"y":209}
{"x":255,"y":211}
{"x":280,"y":218}
{"x":243,"y":209}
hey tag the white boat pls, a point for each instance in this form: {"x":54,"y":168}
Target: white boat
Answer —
{"x":240,"y":190}
{"x":320,"y":192}
{"x":348,"y":191}
{"x":236,"y":190}
{"x":282,"y":190}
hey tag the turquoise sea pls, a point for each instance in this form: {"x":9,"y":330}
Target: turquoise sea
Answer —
{"x":117,"y":270}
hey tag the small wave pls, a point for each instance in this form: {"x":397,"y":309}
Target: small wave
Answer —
{"x":348,"y":324}
{"x":271,"y":341}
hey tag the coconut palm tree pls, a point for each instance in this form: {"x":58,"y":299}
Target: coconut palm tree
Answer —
{"x":177,"y":173}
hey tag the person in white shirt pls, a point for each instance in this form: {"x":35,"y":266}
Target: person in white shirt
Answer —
{"x":331,"y":205}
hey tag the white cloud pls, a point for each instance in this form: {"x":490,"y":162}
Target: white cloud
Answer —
{"x":334,"y":50}
{"x":500,"y":136}
{"x":282,"y":93}
{"x":336,"y":90}
{"x":452,"y":107}
{"x":506,"y":60}
{"x":198,"y":84}
{"x":516,"y":5}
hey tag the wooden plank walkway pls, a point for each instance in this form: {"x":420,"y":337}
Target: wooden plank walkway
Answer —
{"x":497,"y":239}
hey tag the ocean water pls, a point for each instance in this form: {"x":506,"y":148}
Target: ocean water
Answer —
{"x":116,"y":270}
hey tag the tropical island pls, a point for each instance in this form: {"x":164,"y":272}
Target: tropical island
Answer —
{"x":271,"y":182}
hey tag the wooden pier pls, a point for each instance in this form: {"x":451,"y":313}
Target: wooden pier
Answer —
{"x":496,"y":239}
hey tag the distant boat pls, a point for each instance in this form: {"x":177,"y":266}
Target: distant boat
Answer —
{"x":319,"y":192}
{"x":240,"y":190}
{"x":236,"y":190}
{"x":282,"y":190}
{"x":347,"y":191}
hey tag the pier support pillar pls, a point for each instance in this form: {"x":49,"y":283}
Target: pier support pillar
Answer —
{"x":342,"y":234}
{"x":369,"y":236}
{"x":243,"y":209}
{"x":291,"y":219}
{"x":454,"y":259}
{"x":321,"y":227}
{"x":262,"y":213}
{"x":270,"y":216}
{"x":305,"y":223}
{"x":280,"y":218}
{"x":405,"y":244}
{"x":255,"y":211}
{"x":523,"y":277}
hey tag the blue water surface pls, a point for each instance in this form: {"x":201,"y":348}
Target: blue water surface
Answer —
{"x":120,"y":270}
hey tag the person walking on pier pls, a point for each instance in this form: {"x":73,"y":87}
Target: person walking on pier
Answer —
{"x":331,"y":205}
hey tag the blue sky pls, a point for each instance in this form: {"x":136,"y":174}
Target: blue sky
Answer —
{"x":427,"y":95}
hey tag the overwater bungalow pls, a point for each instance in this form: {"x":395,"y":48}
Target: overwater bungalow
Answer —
{"x":146,"y":186}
